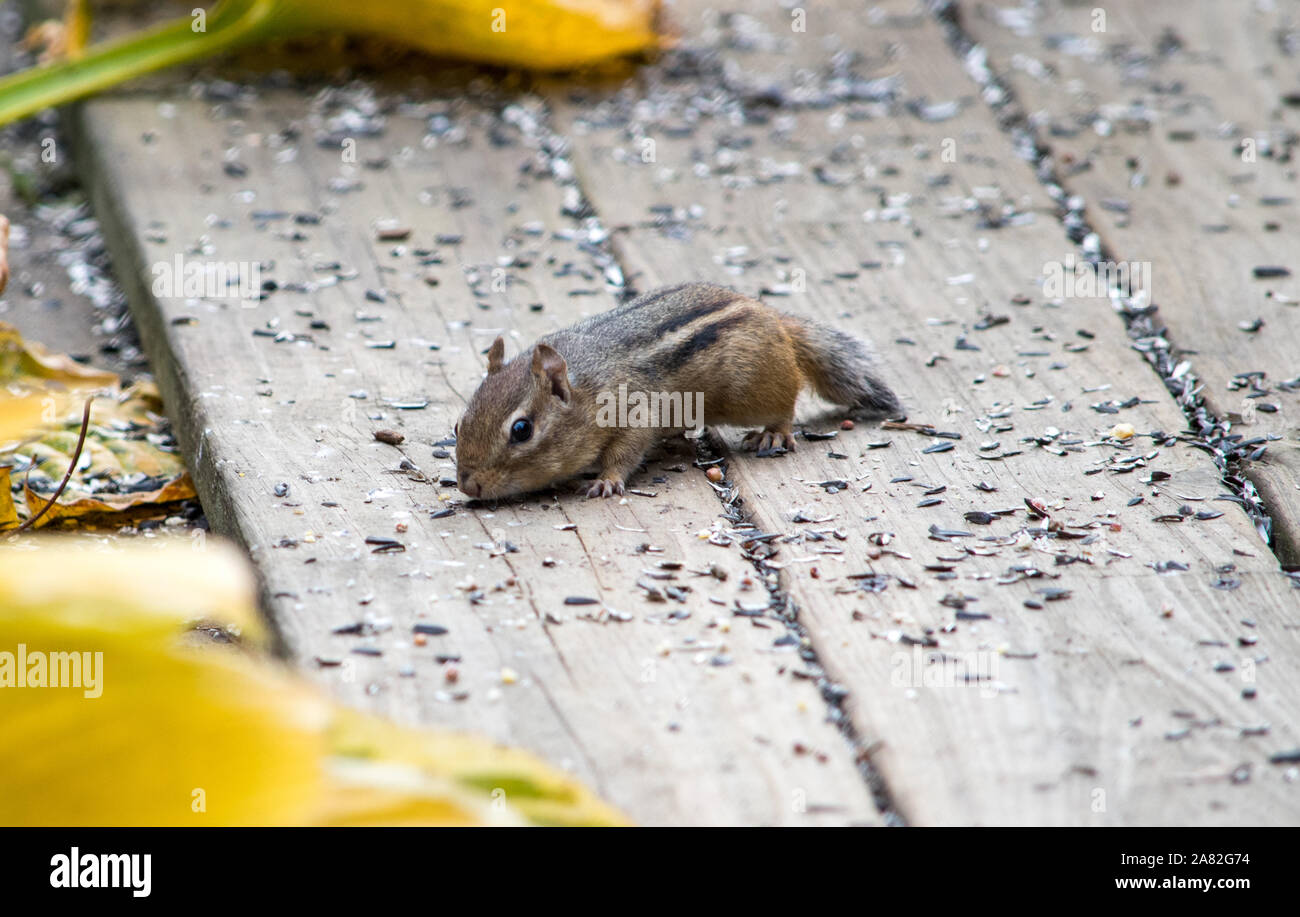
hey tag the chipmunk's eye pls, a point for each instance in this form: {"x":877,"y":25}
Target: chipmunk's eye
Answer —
{"x":521,"y":430}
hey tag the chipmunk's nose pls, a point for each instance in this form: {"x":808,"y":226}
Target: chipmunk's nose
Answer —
{"x":468,"y":485}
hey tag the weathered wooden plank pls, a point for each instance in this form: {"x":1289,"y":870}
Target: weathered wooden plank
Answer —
{"x":1101,"y":707}
{"x":1120,"y":703}
{"x":1176,"y":122}
{"x":682,"y":720}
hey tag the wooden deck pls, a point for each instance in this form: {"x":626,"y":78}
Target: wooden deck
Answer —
{"x":913,"y":646}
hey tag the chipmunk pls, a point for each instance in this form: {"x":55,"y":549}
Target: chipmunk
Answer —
{"x":537,"y":419}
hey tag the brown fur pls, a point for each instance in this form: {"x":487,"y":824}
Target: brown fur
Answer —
{"x":750,"y":361}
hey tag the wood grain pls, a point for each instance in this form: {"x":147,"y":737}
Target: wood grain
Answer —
{"x":1174,"y":126}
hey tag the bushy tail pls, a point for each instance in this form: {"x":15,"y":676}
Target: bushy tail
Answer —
{"x":841,"y":368}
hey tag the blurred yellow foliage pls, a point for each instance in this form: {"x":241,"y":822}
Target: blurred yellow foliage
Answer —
{"x":153,"y":731}
{"x":535,"y":34}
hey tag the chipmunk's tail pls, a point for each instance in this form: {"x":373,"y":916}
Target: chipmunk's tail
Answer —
{"x":841,"y":368}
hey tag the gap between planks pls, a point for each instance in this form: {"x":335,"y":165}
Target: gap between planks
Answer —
{"x":1147,"y":123}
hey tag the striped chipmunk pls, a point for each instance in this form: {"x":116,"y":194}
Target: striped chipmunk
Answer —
{"x":603,"y":391}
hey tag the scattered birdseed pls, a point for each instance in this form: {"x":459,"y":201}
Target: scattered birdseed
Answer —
{"x":391,"y":230}
{"x":385,"y":545}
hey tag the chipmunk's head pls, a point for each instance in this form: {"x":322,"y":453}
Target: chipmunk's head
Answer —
{"x":521,"y":430}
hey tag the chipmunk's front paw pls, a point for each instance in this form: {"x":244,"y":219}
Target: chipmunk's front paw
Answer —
{"x":604,"y":487}
{"x":768,"y":442}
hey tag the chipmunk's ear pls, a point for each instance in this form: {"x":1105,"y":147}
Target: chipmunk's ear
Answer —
{"x":550,"y":369}
{"x":496,"y":355}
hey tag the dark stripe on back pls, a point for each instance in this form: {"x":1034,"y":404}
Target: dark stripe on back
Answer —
{"x":720,"y":299}
{"x":696,"y":344}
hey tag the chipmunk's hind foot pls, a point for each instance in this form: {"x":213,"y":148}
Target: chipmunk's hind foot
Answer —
{"x":764,"y":443}
{"x":604,"y":487}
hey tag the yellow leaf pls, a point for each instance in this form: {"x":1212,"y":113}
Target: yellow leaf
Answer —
{"x":158,"y":733}
{"x":151,"y":590}
{"x":17,"y":416}
{"x":180,"y":488}
{"x":175,"y":737}
{"x":117,"y":449}
{"x":537,"y":34}
{"x":367,"y":793}
{"x":8,"y":512}
{"x":544,"y":795}
{"x":19,"y":358}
